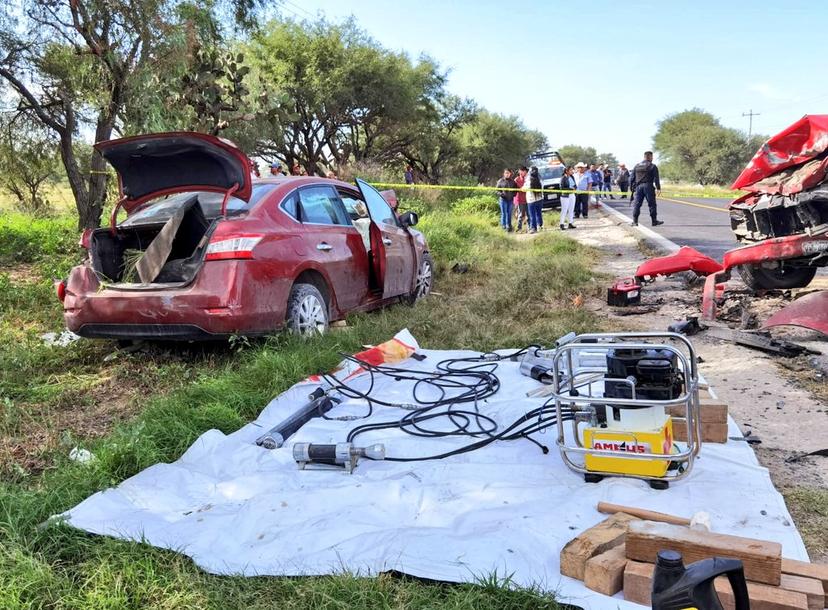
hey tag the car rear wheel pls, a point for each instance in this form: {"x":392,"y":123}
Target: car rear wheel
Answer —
{"x":307,"y":311}
{"x":425,"y":280}
{"x":782,"y":277}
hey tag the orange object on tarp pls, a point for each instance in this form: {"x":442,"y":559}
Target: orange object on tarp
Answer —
{"x":804,"y":140}
{"x":395,"y":350}
{"x":685,"y":259}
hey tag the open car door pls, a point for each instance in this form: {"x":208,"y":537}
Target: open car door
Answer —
{"x":392,"y":250}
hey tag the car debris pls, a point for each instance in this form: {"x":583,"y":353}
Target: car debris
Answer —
{"x":761,"y":341}
{"x":687,"y":327}
{"x":809,"y":311}
{"x":685,"y":259}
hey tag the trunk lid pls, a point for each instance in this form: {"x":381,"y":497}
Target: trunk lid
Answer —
{"x":153,"y":165}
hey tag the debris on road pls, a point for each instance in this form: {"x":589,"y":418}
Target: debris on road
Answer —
{"x":688,"y":327}
{"x":762,"y":341}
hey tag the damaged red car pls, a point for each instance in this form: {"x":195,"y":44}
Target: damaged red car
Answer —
{"x":783,"y":219}
{"x":207,"y":252}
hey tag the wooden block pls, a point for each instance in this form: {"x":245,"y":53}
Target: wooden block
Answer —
{"x":710,"y":433}
{"x":711,"y":411}
{"x":638,"y":582}
{"x":819,"y":571}
{"x":762,"y":559}
{"x":604,"y":573}
{"x":594,"y":541}
{"x":811,"y":587}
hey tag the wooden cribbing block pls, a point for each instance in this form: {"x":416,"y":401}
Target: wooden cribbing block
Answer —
{"x":604,"y":573}
{"x":819,"y":571}
{"x":594,"y":541}
{"x":811,"y":587}
{"x":762,"y":559}
{"x":638,"y":583}
{"x":710,"y":433}
{"x":711,"y":411}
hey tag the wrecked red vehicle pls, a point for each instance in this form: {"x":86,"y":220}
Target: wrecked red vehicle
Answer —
{"x":783,"y":219}
{"x":207,"y":252}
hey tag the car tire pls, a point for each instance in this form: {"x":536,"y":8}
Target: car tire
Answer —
{"x":425,"y":280}
{"x":783,"y":277}
{"x":307,"y":311}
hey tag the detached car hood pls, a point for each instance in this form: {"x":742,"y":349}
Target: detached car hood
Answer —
{"x":153,"y":165}
{"x":802,"y":141}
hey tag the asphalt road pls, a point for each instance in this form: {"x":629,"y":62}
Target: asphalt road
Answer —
{"x":703,"y":224}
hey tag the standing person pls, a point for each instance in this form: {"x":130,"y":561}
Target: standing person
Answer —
{"x":568,"y":185}
{"x":505,"y":198}
{"x":608,"y":181}
{"x":409,"y":174}
{"x":623,"y":179}
{"x":583,"y":181}
{"x":597,"y":177}
{"x":534,"y":199}
{"x":520,"y":198}
{"x":646,"y":185}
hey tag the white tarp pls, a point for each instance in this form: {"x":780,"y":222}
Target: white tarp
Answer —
{"x":507,"y":509}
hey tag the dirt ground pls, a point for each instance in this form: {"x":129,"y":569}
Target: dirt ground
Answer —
{"x":781,"y":401}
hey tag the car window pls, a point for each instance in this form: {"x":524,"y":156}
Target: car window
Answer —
{"x":321,"y":205}
{"x":162,"y":209}
{"x":291,"y":205}
{"x":354,"y":204}
{"x":551,"y":171}
{"x":380,"y":211}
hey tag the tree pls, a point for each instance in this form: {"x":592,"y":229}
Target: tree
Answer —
{"x":349,"y":99}
{"x":572,"y":154}
{"x":693,"y":145}
{"x":27,"y":160}
{"x":77,"y":64}
{"x":435,"y":144}
{"x":490,"y":142}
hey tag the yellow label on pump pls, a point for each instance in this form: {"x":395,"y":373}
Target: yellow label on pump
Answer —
{"x":658,"y":441}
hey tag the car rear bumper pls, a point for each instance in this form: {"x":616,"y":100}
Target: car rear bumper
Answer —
{"x":224,"y":300}
{"x":172,"y":332}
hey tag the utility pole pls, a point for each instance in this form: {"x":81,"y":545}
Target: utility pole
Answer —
{"x":750,"y":114}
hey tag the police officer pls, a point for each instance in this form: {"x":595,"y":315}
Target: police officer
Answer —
{"x":646,"y":185}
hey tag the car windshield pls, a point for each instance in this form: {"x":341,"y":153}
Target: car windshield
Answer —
{"x":549,"y":172}
{"x":162,"y":209}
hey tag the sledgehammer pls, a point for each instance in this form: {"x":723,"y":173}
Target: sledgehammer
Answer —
{"x":700,"y":520}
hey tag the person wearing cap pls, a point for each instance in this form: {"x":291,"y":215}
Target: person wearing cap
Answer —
{"x":623,"y":179}
{"x":276,"y":169}
{"x":646,"y":185}
{"x":583,"y":180}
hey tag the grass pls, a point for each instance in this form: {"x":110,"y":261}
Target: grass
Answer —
{"x":148,"y":407}
{"x":809,"y":508}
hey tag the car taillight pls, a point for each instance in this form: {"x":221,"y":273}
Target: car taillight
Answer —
{"x":235,"y":247}
{"x":86,"y":239}
{"x":60,"y":289}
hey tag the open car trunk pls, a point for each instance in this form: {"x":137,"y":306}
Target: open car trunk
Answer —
{"x":144,"y":256}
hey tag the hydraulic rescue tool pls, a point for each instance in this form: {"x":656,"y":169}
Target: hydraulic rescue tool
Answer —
{"x":341,"y":456}
{"x":620,"y":425}
{"x":319,"y":404}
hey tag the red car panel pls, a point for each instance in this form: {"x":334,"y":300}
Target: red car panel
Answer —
{"x":810,"y":311}
{"x":800,"y":142}
{"x":686,"y":259}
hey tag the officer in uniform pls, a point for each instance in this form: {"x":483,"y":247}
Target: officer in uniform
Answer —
{"x":645,"y":185}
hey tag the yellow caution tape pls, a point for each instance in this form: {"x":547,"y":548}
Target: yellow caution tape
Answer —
{"x":488,"y":189}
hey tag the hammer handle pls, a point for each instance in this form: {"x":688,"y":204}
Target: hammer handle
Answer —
{"x":649,"y":515}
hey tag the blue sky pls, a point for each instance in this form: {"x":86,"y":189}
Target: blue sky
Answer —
{"x":604,"y":75}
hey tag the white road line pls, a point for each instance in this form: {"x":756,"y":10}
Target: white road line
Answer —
{"x":659,"y":240}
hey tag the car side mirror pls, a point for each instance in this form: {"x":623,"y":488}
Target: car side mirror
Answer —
{"x":409,"y":219}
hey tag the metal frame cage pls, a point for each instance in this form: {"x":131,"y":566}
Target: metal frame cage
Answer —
{"x":580,"y":363}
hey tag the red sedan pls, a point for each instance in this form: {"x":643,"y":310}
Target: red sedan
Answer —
{"x":207,"y":252}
